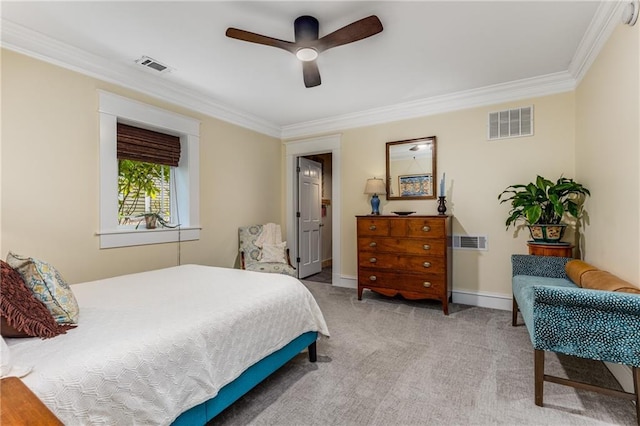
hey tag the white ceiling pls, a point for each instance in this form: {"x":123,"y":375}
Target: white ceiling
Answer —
{"x":431,"y":55}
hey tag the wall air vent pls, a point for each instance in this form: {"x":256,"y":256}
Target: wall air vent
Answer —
{"x":510,"y":123}
{"x":152,"y":64}
{"x":470,"y":242}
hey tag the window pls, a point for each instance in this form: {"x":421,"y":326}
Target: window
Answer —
{"x":149,"y":162}
{"x":146,"y":160}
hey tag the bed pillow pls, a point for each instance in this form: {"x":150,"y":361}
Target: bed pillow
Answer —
{"x":274,"y":253}
{"x":22,"y":314}
{"x":48,"y":286}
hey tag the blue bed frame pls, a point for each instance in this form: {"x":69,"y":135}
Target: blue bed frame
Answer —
{"x":201,"y":414}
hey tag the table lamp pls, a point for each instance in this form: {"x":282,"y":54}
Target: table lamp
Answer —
{"x":374,"y":187}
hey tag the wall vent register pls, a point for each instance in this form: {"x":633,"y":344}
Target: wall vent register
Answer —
{"x":510,"y":123}
{"x":470,"y":242}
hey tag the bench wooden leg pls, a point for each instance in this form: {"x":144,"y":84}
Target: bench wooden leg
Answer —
{"x":538,"y":366}
{"x":514,"y":312}
{"x":636,"y":388}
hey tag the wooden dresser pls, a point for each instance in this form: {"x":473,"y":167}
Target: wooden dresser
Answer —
{"x":406,"y":255}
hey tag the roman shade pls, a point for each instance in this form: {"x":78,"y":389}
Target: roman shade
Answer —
{"x":148,"y":146}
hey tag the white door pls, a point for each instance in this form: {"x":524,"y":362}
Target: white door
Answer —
{"x":309,"y":217}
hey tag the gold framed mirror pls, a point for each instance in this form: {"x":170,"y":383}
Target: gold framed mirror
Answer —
{"x":411,"y":169}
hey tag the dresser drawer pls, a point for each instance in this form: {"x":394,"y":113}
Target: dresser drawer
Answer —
{"x":402,"y":263}
{"x":426,"y":228}
{"x":373,"y":226}
{"x":432,"y":284}
{"x":402,"y":246}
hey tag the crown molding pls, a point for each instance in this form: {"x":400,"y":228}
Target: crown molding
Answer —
{"x":604,"y":22}
{"x":34,"y":44}
{"x":31,"y":43}
{"x":489,"y":95}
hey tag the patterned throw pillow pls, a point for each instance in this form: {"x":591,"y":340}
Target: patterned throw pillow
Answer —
{"x":48,"y":286}
{"x":273,"y":253}
{"x":22,"y":315}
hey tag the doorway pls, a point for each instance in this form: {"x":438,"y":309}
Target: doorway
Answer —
{"x":330,"y":144}
{"x":321,"y":269}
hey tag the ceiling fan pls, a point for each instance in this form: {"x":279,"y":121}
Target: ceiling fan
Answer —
{"x":308,"y":46}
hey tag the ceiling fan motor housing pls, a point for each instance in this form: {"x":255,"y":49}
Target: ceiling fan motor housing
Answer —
{"x":306,"y":28}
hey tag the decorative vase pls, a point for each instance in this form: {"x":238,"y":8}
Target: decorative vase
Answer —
{"x":442,"y":208}
{"x":375,"y":204}
{"x":547,"y":233}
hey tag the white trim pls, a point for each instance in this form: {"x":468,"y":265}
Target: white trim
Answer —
{"x":147,"y":236}
{"x":483,"y":299}
{"x":479,"y":299}
{"x":295,"y":149}
{"x":31,"y":43}
{"x":623,"y":375}
{"x":489,"y":95}
{"x":606,"y":19}
{"x":187,"y":175}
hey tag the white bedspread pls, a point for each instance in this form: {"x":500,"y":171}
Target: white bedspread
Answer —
{"x":152,"y":345}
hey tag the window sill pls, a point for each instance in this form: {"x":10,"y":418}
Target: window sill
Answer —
{"x":137,"y":237}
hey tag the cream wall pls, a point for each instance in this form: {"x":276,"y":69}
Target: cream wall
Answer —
{"x":49,"y":176}
{"x":477,"y":171}
{"x":608,"y":154}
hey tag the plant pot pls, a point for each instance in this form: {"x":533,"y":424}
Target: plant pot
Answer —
{"x":150,"y":222}
{"x":547,"y":233}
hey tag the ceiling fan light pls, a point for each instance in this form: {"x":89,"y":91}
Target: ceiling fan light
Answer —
{"x":307,"y":54}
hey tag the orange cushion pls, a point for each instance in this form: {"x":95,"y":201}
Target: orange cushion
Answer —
{"x":603,"y":280}
{"x":575,"y":269}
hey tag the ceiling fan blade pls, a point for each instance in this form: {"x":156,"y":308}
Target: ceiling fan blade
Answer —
{"x":355,"y":31}
{"x":260,"y":39}
{"x":311,"y":74}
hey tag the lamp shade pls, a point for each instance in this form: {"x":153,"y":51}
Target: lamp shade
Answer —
{"x":375,"y":186}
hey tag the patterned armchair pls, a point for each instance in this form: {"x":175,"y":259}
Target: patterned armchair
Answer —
{"x":251,"y":256}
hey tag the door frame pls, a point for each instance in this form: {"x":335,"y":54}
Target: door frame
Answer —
{"x":300,"y":148}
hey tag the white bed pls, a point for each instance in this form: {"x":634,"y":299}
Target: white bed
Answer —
{"x":150,"y":346}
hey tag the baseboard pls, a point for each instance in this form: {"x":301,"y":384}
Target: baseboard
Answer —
{"x":623,"y":375}
{"x":482,"y":300}
{"x":344,"y":281}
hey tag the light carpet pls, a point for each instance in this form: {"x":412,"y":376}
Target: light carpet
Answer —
{"x":390,"y":361}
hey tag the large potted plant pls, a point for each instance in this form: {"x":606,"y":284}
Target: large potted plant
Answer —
{"x":543,"y":204}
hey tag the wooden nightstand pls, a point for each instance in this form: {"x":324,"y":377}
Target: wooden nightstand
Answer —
{"x":559,"y":250}
{"x":20,"y":406}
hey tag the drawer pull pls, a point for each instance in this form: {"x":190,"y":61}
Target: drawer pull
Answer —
{"x":426,"y":228}
{"x":373,"y":244}
{"x":372,"y":228}
{"x":426,"y":284}
{"x":373,"y":260}
{"x":426,"y":247}
{"x":427,"y":264}
{"x":373,"y":278}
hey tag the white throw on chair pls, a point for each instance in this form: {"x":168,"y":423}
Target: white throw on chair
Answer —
{"x":262,"y":250}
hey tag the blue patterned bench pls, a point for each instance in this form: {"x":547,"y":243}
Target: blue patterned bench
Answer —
{"x":562,"y":317}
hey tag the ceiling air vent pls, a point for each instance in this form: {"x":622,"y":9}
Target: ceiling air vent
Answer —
{"x":511,"y":123}
{"x":470,"y":242}
{"x":152,"y":64}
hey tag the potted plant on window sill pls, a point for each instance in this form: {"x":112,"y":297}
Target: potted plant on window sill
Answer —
{"x":543,"y":204}
{"x":152,"y":219}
